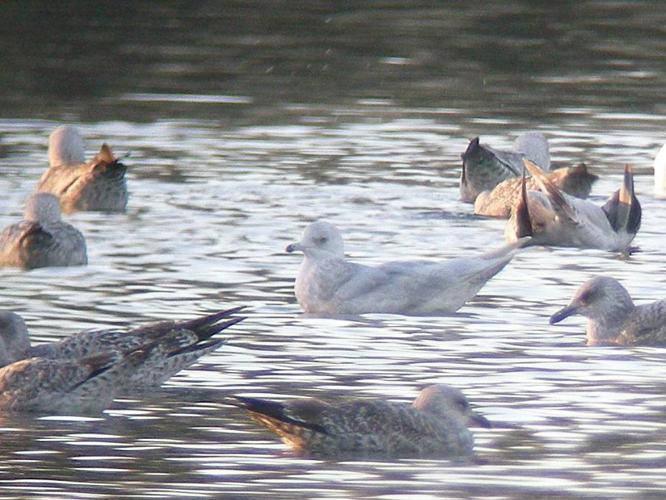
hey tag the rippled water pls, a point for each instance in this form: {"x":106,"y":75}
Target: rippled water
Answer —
{"x":246,"y":120}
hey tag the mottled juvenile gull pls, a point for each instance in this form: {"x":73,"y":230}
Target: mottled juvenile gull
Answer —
{"x":327,"y":283}
{"x":67,"y":386}
{"x":485,"y":167}
{"x":435,"y":424}
{"x":98,"y":185}
{"x":552,"y":217}
{"x":42,"y":239}
{"x":576,"y":181}
{"x":612,"y":317}
{"x":660,"y":173}
{"x":182,"y":342}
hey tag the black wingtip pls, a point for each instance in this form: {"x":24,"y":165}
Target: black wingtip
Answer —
{"x":209,"y":319}
{"x":523,"y":221}
{"x":274,"y":410}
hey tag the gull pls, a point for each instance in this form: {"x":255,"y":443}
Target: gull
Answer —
{"x":182,"y":343}
{"x":327,"y":283}
{"x":42,"y":239}
{"x":552,"y":217}
{"x":485,"y":167}
{"x":612,"y":317}
{"x":576,"y":181}
{"x":660,"y":173}
{"x":435,"y":424}
{"x":76,"y":386}
{"x":97,"y":185}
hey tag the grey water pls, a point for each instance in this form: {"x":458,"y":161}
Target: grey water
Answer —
{"x":245,"y":120}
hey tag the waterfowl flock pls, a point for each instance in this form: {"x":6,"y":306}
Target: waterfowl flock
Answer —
{"x":85,"y":371}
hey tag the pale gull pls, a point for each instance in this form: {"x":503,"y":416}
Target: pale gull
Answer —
{"x":485,"y":167}
{"x":42,"y":239}
{"x":576,"y":181}
{"x":98,"y":185}
{"x":182,"y":344}
{"x":660,"y":173}
{"x":612,"y":317}
{"x":435,"y":424}
{"x":552,"y":217}
{"x":327,"y":283}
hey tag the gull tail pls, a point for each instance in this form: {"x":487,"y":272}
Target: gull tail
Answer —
{"x":578,"y":181}
{"x":623,"y":209}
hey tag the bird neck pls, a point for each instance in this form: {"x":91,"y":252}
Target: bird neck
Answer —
{"x":608,"y":328}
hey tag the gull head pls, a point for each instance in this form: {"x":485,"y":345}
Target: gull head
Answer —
{"x":43,"y":208}
{"x":66,"y":147}
{"x":14,"y":340}
{"x":534,"y":146}
{"x":320,"y":239}
{"x":440,"y":399}
{"x":599,"y":298}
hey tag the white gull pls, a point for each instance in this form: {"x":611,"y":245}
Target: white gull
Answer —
{"x":552,"y":217}
{"x":327,"y":283}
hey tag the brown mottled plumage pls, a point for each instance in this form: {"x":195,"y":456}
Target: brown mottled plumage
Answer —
{"x":42,"y":239}
{"x":576,"y":181}
{"x":485,"y":167}
{"x":182,"y":342}
{"x":612,"y":317}
{"x":98,"y":185}
{"x":434,"y":425}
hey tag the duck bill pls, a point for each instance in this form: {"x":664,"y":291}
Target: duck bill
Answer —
{"x":477,"y":420}
{"x":563,"y":313}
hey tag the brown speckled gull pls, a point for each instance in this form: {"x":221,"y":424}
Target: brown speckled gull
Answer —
{"x":576,"y":181}
{"x":42,"y":239}
{"x":552,"y":217}
{"x":484,"y":167}
{"x":434,"y":425}
{"x":612,"y":317}
{"x":183,"y":343}
{"x":98,"y":185}
{"x":66,"y":386}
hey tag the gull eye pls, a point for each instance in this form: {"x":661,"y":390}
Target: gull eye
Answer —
{"x":462,"y":404}
{"x":586,"y":297}
{"x":322,"y":239}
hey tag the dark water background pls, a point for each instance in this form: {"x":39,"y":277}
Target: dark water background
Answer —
{"x":246,"y":120}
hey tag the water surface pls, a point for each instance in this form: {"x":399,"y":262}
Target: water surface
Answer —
{"x":246,"y":120}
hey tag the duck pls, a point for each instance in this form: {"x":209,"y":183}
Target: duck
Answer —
{"x":329,"y":284}
{"x":42,"y":238}
{"x":576,"y":181}
{"x":612,"y":317}
{"x":182,"y":344}
{"x":435,"y":424}
{"x":551,"y":217}
{"x":96,"y":185}
{"x":484,"y":167}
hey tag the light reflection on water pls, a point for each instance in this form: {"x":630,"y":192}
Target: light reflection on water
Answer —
{"x":222,"y":179}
